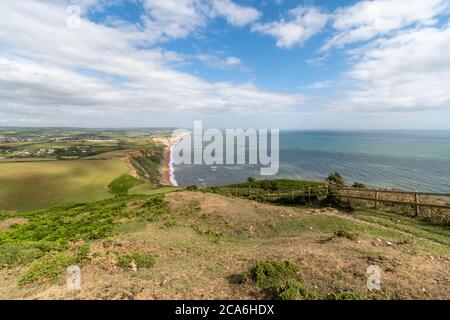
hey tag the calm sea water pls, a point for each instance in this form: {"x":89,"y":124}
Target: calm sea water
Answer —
{"x":418,"y":160}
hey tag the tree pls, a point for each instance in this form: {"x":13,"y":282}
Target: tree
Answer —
{"x":359,"y":185}
{"x":335,"y":178}
{"x":250,"y":179}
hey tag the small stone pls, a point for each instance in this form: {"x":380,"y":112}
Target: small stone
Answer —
{"x":389,"y":243}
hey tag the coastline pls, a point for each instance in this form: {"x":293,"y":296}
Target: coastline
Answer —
{"x":167,"y":169}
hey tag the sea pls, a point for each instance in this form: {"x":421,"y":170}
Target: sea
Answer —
{"x":405,"y":160}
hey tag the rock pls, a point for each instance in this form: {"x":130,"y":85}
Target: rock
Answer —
{"x":389,"y":243}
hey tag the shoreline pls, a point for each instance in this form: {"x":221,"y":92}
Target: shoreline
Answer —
{"x":167,"y":169}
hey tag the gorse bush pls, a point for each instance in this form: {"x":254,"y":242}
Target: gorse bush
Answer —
{"x":141,"y":260}
{"x":16,"y":254}
{"x":276,"y":279}
{"x":279,"y":280}
{"x":47,"y":268}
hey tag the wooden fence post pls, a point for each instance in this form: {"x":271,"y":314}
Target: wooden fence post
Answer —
{"x":416,"y":197}
{"x":376,"y":199}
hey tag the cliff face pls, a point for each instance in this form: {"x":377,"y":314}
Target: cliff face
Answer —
{"x":147,"y":163}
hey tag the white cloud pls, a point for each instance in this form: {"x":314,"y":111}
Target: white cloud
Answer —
{"x":172,"y":19}
{"x":368,"y":19}
{"x":319,"y":85}
{"x":233,"y":61}
{"x":218,"y":62}
{"x":303,"y":23}
{"x":175,"y":19}
{"x":407,"y":72}
{"x":235,"y":14}
{"x":96,"y":76}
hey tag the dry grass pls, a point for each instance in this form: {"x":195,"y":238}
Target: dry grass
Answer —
{"x":191,"y":264}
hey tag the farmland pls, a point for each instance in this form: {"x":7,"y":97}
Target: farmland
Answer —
{"x":42,"y":184}
{"x":40,"y":168}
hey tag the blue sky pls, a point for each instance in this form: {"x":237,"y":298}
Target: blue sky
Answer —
{"x":380,"y":64}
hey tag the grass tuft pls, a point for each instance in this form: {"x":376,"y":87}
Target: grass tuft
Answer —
{"x":141,"y":260}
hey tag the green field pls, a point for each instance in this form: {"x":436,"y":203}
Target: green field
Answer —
{"x":37,"y":185}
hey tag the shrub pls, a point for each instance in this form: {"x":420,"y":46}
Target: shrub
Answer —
{"x":346,"y":234}
{"x":277,"y":279}
{"x":359,"y":185}
{"x":192,"y":188}
{"x":335,"y":178}
{"x":16,"y":254}
{"x":83,"y":253}
{"x":47,"y":268}
{"x":141,"y":259}
{"x":250,"y":179}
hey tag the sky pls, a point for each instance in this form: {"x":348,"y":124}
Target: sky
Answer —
{"x":288,"y":64}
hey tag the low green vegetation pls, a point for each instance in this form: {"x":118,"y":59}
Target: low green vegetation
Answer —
{"x":415,"y":227}
{"x":277,"y":184}
{"x":47,"y":268}
{"x":147,"y":162}
{"x":122,"y":184}
{"x":278,"y":280}
{"x":334,"y":225}
{"x":346,"y":234}
{"x":50,"y":266}
{"x":45,"y":243}
{"x":139,"y":259}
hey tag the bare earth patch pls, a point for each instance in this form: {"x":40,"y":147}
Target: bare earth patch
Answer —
{"x":7,"y":223}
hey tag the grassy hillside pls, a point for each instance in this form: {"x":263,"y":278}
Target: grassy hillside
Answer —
{"x":200,"y":245}
{"x":36,"y":185}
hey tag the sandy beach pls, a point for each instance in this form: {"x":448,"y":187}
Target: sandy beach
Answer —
{"x":165,"y":161}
